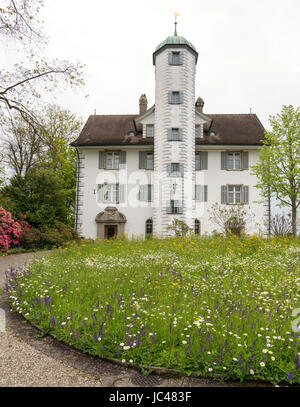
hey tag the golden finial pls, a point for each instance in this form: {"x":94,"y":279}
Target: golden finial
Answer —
{"x":176,"y":15}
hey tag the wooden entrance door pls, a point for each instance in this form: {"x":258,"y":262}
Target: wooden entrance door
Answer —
{"x":110,"y":231}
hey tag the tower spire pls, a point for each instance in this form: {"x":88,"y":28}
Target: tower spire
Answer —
{"x":176,"y":15}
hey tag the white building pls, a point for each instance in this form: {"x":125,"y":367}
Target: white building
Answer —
{"x":138,"y":172}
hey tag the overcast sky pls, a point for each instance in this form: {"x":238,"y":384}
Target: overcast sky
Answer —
{"x":249,"y":54}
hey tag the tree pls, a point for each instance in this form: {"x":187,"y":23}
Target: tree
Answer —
{"x":25,"y":148}
{"x":21,"y":145}
{"x":278,"y":165}
{"x":19,"y":85}
{"x":40,"y":195}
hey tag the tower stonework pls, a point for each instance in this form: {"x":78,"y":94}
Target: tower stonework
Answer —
{"x":175,"y":69}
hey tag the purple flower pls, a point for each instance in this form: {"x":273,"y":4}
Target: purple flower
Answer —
{"x":53,"y":321}
{"x":291,"y":376}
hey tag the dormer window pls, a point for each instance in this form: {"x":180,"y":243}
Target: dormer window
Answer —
{"x":150,"y":130}
{"x":198,"y":130}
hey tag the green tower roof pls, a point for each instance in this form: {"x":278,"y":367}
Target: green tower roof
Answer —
{"x":175,"y":40}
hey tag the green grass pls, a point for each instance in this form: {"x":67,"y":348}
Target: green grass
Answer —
{"x":219,"y":307}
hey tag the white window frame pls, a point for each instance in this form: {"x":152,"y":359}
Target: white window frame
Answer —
{"x":149,"y":222}
{"x":175,"y":57}
{"x":115,"y":162}
{"x":152,"y":160}
{"x":234,"y":193}
{"x":234,"y":160}
{"x":111,"y":193}
{"x":175,"y":97}
{"x":175,"y":173}
{"x":175,"y":210}
{"x":148,"y":127}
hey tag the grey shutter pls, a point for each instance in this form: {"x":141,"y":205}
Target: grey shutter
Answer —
{"x":143,"y":192}
{"x":149,"y":193}
{"x":169,"y":97}
{"x":180,"y":134}
{"x":203,"y":160}
{"x":100,"y":193}
{"x":123,"y":157}
{"x":245,"y":160}
{"x":180,"y":97}
{"x":223,"y":194}
{"x":245,"y":189}
{"x":168,"y":209}
{"x":142,"y":160}
{"x":181,"y":58}
{"x":181,"y":169}
{"x":205,"y":193}
{"x":169,"y":134}
{"x":170,"y":58}
{"x":169,"y":169}
{"x":223,"y":160}
{"x":197,"y":161}
{"x":101,"y":159}
{"x":180,"y":208}
{"x":197,"y":192}
{"x":121,"y":193}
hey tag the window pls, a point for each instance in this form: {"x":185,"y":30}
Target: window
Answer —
{"x":150,"y":130}
{"x":149,"y":226}
{"x":175,"y":207}
{"x":197,"y":227}
{"x":201,"y":158}
{"x":175,"y":58}
{"x":175,"y":97}
{"x":201,"y":193}
{"x":234,"y":160}
{"x":112,"y":161}
{"x":109,"y":193}
{"x":234,"y":194}
{"x":197,"y":131}
{"x":174,"y":134}
{"x":146,"y":160}
{"x":145,"y":193}
{"x":175,"y":169}
{"x":149,"y":161}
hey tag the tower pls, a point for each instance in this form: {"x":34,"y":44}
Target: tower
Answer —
{"x":175,"y":62}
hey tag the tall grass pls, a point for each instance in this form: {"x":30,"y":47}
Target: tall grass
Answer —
{"x":220,"y":307}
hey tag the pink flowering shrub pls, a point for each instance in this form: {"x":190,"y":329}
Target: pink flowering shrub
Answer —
{"x":10,"y":231}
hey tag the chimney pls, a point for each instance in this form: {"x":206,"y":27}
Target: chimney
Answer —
{"x":143,"y":104}
{"x":199,"y":104}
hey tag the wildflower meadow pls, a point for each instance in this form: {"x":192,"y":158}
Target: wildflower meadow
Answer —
{"x":222,"y":307}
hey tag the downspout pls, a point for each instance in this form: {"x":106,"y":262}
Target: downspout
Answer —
{"x":77,"y":190}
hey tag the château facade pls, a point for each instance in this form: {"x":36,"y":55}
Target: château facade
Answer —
{"x":137,"y":172}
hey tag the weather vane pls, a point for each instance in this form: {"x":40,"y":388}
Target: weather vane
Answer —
{"x":176,"y":15}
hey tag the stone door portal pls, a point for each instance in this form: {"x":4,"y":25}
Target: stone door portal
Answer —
{"x":110,"y":223}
